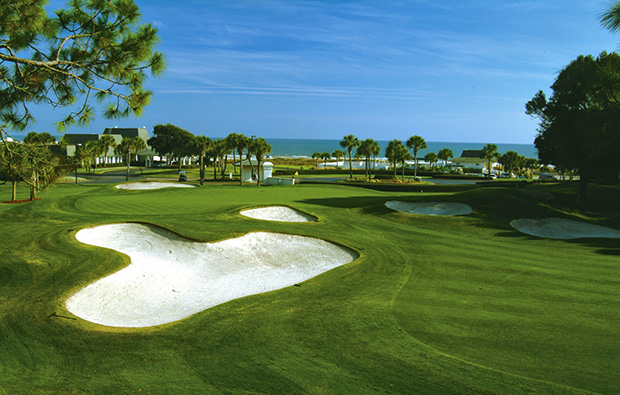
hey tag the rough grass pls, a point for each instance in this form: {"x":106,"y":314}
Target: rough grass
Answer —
{"x":433,"y":305}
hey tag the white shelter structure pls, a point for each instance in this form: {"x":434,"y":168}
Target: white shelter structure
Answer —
{"x":251,"y":170}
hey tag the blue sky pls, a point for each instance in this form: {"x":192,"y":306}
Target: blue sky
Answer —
{"x":445,"y":70}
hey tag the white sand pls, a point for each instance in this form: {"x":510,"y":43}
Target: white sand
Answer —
{"x":171,"y":278}
{"x":278,"y":213}
{"x":152,"y":185}
{"x":429,"y":208}
{"x":559,"y":228}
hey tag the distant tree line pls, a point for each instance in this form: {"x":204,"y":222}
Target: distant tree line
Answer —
{"x":398,"y":154}
{"x":171,"y":141}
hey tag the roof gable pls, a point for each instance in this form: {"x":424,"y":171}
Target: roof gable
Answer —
{"x":472,"y":153}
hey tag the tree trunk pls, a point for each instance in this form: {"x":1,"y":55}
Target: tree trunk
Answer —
{"x":403,"y":175}
{"x":415,"y":166}
{"x":489,"y":168}
{"x":13,"y":189}
{"x":350,"y":166}
{"x":202,"y":169}
{"x":258,"y":173}
{"x":128,"y":164}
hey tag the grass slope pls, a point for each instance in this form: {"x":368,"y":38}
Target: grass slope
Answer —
{"x":433,"y":305}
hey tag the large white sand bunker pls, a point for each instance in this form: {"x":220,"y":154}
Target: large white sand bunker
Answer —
{"x":134,"y":186}
{"x":559,"y":228}
{"x":171,"y":278}
{"x":429,"y":208}
{"x":278,"y":213}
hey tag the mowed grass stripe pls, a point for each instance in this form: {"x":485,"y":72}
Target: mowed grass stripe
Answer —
{"x":479,"y":302}
{"x":408,"y":316}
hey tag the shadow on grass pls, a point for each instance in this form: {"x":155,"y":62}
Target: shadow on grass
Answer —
{"x":494,"y":208}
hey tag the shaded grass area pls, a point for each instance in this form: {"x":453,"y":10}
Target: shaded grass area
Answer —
{"x":433,"y":305}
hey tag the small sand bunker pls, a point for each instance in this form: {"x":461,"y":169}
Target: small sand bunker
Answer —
{"x":278,"y":213}
{"x":429,"y":208}
{"x":171,"y":278}
{"x":559,"y":228}
{"x":152,"y":185}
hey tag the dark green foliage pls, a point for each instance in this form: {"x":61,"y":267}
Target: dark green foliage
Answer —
{"x":445,"y":154}
{"x":367,"y":149}
{"x":350,"y":142}
{"x":169,"y":139}
{"x":489,"y":152}
{"x":93,"y":48}
{"x":259,"y":148}
{"x":580,"y":123}
{"x":416,"y":143}
{"x":128,"y":146}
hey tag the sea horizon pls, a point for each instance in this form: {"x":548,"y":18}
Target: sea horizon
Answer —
{"x":302,"y":147}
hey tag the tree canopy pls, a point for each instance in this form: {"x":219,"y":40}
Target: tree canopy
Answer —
{"x":445,"y":154}
{"x":416,"y":143}
{"x":128,"y":146}
{"x":92,"y":49}
{"x":171,"y":139}
{"x":367,"y":149}
{"x":350,"y":142}
{"x":489,"y":152}
{"x":580,"y":123}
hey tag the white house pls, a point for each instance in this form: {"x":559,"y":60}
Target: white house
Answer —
{"x":472,"y":159}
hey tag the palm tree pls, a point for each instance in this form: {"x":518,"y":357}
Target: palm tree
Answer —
{"x":445,"y":154}
{"x":402,"y":156}
{"x":393,"y":152}
{"x":91,"y":151}
{"x":489,"y":152}
{"x":241,"y":143}
{"x":231,"y":142}
{"x":431,"y":158}
{"x":219,"y":149}
{"x":350,"y":142}
{"x":367,"y":149}
{"x":416,"y":143}
{"x":316,"y":156}
{"x":338,"y":154}
{"x":106,"y":142}
{"x":610,"y":19}
{"x":325,"y":156}
{"x":202,"y":145}
{"x":127,"y":146}
{"x":510,"y":161}
{"x":259,"y":147}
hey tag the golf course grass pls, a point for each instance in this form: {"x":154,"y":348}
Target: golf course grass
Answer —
{"x":434,"y":304}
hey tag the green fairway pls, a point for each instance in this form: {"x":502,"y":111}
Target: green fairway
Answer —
{"x":433,"y":305}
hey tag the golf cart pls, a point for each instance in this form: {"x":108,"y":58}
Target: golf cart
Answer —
{"x":182,"y":176}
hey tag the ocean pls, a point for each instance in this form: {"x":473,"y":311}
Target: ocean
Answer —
{"x":306,"y":147}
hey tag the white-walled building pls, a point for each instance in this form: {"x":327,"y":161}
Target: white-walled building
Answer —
{"x":472,"y":159}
